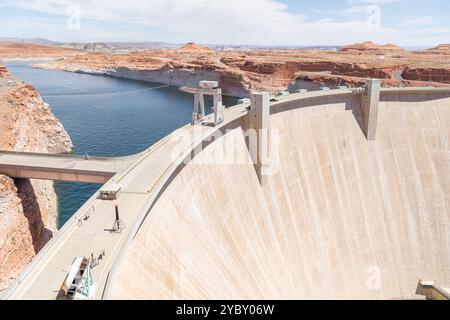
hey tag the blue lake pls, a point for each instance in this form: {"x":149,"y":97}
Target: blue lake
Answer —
{"x":106,"y":116}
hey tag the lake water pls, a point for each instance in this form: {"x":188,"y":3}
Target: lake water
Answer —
{"x":106,"y":116}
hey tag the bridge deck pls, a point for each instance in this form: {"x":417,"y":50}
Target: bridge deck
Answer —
{"x":62,"y":167}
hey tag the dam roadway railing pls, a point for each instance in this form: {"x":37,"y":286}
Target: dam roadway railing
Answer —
{"x":160,"y":172}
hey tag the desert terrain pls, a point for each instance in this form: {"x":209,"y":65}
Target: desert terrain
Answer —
{"x":239,"y":72}
{"x":10,"y":51}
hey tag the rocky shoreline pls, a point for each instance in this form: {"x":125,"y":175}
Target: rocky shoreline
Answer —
{"x":28,"y":208}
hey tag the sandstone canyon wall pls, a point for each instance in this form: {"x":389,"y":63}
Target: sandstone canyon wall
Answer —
{"x":28,"y":208}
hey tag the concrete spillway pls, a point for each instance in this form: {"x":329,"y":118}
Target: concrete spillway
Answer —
{"x":344,"y":217}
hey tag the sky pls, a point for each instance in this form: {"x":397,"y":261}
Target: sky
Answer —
{"x":234,"y":22}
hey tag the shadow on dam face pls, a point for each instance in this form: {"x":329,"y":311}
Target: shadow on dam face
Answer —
{"x":342,"y":218}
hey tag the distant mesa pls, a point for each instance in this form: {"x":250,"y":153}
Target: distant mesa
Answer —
{"x":371,"y":46}
{"x":195,"y":48}
{"x":442,"y":48}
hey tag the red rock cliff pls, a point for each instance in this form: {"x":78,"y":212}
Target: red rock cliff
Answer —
{"x":28,"y":208}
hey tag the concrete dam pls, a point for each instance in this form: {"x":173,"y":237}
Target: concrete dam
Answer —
{"x":358,"y":206}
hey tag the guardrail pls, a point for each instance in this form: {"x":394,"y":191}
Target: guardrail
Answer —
{"x":66,"y":156}
{"x":416,"y":90}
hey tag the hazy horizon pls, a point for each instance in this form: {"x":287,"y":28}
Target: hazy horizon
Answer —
{"x":43,"y":39}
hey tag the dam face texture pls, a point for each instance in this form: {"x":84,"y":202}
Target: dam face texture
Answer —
{"x":358,"y":210}
{"x":358,"y":207}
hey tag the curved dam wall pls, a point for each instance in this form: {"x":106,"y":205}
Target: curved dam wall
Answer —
{"x":342,"y":217}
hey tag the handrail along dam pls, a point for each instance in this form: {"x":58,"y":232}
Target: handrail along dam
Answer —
{"x":358,"y":207}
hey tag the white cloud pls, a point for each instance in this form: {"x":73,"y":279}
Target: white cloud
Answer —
{"x":420,"y":21}
{"x":203,"y":19}
{"x":208,"y":21}
{"x":219,"y":21}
